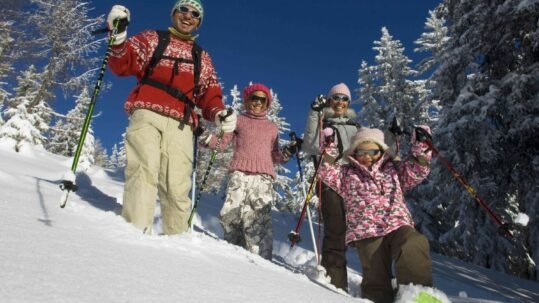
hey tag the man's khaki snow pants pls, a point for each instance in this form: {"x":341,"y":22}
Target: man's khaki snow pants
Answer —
{"x":408,"y":248}
{"x":159,"y":161}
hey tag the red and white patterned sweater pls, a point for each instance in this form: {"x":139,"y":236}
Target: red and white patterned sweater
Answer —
{"x":374,"y":199}
{"x":133,"y":56}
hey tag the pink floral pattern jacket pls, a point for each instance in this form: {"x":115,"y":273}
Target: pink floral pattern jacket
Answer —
{"x":374,"y":199}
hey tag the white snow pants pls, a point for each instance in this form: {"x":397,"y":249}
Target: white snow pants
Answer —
{"x":246,"y":213}
{"x":159,"y":161}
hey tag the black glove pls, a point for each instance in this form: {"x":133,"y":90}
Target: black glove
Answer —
{"x":290,"y":150}
{"x":422,"y":134}
{"x":319,"y":103}
{"x":396,"y":127}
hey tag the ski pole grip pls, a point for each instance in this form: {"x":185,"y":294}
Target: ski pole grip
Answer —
{"x":297,"y":141}
{"x":293,"y":136}
{"x":396,"y":128}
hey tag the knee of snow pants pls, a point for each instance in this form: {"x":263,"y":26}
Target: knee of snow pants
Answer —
{"x":375,"y":258}
{"x":412,"y":261}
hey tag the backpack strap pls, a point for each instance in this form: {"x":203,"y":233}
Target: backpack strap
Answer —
{"x":196,"y":53}
{"x":163,"y":41}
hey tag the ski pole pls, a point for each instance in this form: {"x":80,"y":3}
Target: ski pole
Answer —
{"x":294,"y":236}
{"x":196,"y":134}
{"x":68,"y":184}
{"x":294,"y":138}
{"x":208,"y":169}
{"x":503,"y":226}
{"x":425,"y":137}
{"x":397,"y":131}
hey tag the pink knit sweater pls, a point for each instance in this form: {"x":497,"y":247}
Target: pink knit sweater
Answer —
{"x":256,"y":145}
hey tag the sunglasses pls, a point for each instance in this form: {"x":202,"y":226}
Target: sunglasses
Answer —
{"x":185,"y":10}
{"x":254,"y":98}
{"x":340,"y":98}
{"x":370,"y":152}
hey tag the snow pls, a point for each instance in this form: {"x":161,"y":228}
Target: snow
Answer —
{"x":522,"y":219}
{"x":87,"y":253}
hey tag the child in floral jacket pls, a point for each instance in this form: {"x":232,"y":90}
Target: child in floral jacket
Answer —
{"x":378,"y":222}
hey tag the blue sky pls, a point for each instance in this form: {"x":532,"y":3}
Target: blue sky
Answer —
{"x":298,"y":48}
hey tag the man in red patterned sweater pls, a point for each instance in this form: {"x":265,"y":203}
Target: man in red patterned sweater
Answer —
{"x":159,"y":148}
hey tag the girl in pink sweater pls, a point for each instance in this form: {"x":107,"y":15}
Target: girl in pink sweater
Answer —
{"x":246,"y":213}
{"x":378,"y":222}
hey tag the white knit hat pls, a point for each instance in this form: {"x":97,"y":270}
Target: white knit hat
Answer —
{"x":366,"y":134}
{"x":340,"y":89}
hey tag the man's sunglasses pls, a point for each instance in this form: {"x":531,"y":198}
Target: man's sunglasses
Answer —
{"x":185,"y":10}
{"x":340,"y":98}
{"x":370,"y":152}
{"x":254,"y":98}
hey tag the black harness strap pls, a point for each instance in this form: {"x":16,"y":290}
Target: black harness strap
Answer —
{"x":332,"y":124}
{"x":196,"y":53}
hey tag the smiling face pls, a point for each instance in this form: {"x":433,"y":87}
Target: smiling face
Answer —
{"x":368,"y":153}
{"x":339,"y":103}
{"x":184,"y":21}
{"x":257,"y":102}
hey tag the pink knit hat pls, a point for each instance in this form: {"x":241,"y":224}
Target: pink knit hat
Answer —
{"x":340,"y":89}
{"x":248,"y":90}
{"x":365,"y":134}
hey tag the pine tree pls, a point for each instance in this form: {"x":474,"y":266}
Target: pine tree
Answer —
{"x":386,"y":90}
{"x":6,"y":61}
{"x":433,"y":41}
{"x":122,"y":154}
{"x":282,"y":181}
{"x":24,"y":124}
{"x":65,"y":135}
{"x":487,"y":80}
{"x":100,"y":154}
{"x":64,"y":39}
{"x":113,"y":160}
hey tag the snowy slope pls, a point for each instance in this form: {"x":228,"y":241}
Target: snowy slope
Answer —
{"x":87,"y":253}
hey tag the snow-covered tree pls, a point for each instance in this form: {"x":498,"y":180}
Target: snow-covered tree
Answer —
{"x":487,"y":81}
{"x":24,"y":124}
{"x":86,"y":159}
{"x":63,"y":38}
{"x":6,"y":60}
{"x":66,"y":133}
{"x":385,"y":88}
{"x":1,"y":114}
{"x":113,"y":160}
{"x":433,"y":41}
{"x":100,"y":154}
{"x":121,"y":156}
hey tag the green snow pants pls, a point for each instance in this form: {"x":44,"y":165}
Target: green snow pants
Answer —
{"x":159,"y":162}
{"x":410,"y":251}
